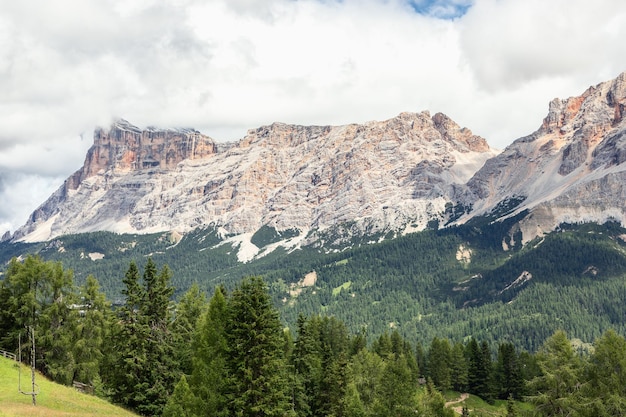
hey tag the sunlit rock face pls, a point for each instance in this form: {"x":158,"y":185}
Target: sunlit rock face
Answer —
{"x":395,"y":175}
{"x":570,"y":170}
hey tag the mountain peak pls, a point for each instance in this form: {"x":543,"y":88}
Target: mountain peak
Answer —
{"x":395,"y":175}
{"x":570,"y":170}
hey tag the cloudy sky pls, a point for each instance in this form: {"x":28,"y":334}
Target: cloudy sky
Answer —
{"x":224,"y":66}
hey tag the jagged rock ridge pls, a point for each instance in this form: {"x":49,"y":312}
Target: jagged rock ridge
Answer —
{"x":570,"y":170}
{"x":396,"y":175}
{"x":379,"y":176}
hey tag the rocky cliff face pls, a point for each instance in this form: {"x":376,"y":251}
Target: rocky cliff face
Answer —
{"x":570,"y":170}
{"x":123,"y":149}
{"x":380,"y":176}
{"x":126,"y":148}
{"x":376,"y":177}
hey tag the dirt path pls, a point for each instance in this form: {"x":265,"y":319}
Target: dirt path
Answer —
{"x":462,"y":398}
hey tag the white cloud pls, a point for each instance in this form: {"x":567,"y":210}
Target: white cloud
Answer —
{"x":511,"y":42}
{"x":225,"y":66}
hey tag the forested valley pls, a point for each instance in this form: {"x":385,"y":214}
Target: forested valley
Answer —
{"x":229,"y":353}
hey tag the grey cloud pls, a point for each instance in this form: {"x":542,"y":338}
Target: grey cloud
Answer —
{"x":511,"y":42}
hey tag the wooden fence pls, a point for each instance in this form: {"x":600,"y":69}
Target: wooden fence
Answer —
{"x":8,"y":354}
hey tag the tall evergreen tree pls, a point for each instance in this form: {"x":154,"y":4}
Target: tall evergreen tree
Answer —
{"x":605,"y":391}
{"x":556,"y":388}
{"x":396,"y":395}
{"x":256,"y":365}
{"x":366,"y":372}
{"x":439,"y":363}
{"x":163,"y":371}
{"x":39,"y":295}
{"x":209,"y":361}
{"x":141,"y":367}
{"x":480,"y":373}
{"x":458,"y":367}
{"x":508,"y":373}
{"x":126,"y":365}
{"x":189,"y":309}
{"x":92,"y":330}
{"x":57,"y":324}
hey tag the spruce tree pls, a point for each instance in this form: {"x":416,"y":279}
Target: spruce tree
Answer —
{"x":141,"y":367}
{"x":458,"y":367}
{"x":126,"y":365}
{"x":439,"y":363}
{"x":508,"y":373}
{"x":189,"y":310}
{"x":163,"y":371}
{"x":208,"y":380}
{"x":92,"y":330}
{"x":180,"y":401}
{"x":257,"y":384}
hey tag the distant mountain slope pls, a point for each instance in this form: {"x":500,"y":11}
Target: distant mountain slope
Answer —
{"x":572,"y":169}
{"x":395,"y":175}
{"x":452,"y":282}
{"x":329,"y":184}
{"x":54,"y":400}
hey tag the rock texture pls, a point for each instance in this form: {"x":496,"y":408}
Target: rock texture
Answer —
{"x":570,"y":170}
{"x":379,"y":176}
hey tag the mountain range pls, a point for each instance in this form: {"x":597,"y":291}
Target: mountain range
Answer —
{"x":380,"y":179}
{"x":412,"y":223}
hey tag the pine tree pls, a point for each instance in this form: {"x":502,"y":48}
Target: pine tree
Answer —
{"x":556,"y":387}
{"x":92,"y":330}
{"x":126,"y":365}
{"x":141,"y":370}
{"x":258,"y":382}
{"x":189,"y":309}
{"x":439,"y":363}
{"x":209,"y":369}
{"x":38,"y":295}
{"x":605,"y":391}
{"x":179,"y":403}
{"x":508,"y":373}
{"x":458,"y":367}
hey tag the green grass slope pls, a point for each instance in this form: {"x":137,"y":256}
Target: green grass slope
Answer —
{"x":54,"y":400}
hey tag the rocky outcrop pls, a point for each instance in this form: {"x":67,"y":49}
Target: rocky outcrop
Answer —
{"x":125,"y":148}
{"x":570,"y":170}
{"x":393,"y":175}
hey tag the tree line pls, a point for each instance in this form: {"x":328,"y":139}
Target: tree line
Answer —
{"x":232,"y":355}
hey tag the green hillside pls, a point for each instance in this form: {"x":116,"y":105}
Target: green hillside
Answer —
{"x":572,"y":279}
{"x":54,"y":400}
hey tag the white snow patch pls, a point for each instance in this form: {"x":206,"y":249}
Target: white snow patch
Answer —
{"x":247,"y":250}
{"x":290,"y":244}
{"x":94,"y":256}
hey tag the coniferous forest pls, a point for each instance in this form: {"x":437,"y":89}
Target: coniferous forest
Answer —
{"x":229,"y":353}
